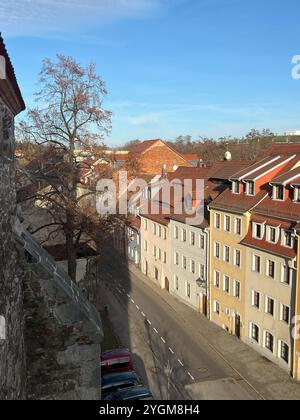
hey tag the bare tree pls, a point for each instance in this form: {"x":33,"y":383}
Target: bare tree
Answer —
{"x":69,"y":116}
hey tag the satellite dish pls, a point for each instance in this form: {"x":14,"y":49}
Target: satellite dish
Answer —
{"x":228,"y":156}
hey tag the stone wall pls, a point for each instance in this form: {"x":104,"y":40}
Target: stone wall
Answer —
{"x":63,"y":348}
{"x":12,"y":363}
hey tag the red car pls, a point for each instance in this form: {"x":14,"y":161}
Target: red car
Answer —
{"x":118,"y":360}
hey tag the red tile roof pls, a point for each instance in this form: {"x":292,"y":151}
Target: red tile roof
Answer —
{"x":281,"y":149}
{"x":223,"y":170}
{"x":144,"y":146}
{"x":134,"y":221}
{"x":11,"y":76}
{"x":283,"y":160}
{"x":237,"y":203}
{"x":254,"y":168}
{"x":190,"y":156}
{"x":288,"y":177}
{"x":286,"y":210}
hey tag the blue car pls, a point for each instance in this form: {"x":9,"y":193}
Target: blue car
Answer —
{"x":134,"y":393}
{"x":113,"y":382}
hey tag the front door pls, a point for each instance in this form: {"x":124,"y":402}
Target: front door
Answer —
{"x":167,"y":284}
{"x":238,"y":325}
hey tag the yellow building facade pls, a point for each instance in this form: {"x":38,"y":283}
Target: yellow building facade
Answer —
{"x":227,"y":270}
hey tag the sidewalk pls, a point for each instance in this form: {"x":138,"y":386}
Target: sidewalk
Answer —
{"x":265,"y":377}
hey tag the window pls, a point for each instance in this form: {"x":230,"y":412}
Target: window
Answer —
{"x":154,"y":251}
{"x":145,"y":246}
{"x":176,"y":258}
{"x":226,"y":253}
{"x":297,"y":194}
{"x":217,"y":221}
{"x":192,"y":267}
{"x":227,"y":223}
{"x":202,"y":242}
{"x":270,"y":269}
{"x":202,"y":271}
{"x":164,"y":257}
{"x":188,"y":290}
{"x":145,"y":224}
{"x":192,"y":238}
{"x":284,"y":351}
{"x":269,"y":341}
{"x":159,"y":230}
{"x":183,"y":235}
{"x":164,"y":233}
{"x":154,"y":229}
{"x":285,"y":313}
{"x":287,"y":275}
{"x":176,"y":283}
{"x":237,"y":289}
{"x":238,"y":226}
{"x":258,"y":230}
{"x":256,"y":299}
{"x":159,"y":254}
{"x":250,"y":188}
{"x":226,"y":285}
{"x":254,"y":332}
{"x":184,"y":263}
{"x":288,"y":239}
{"x":278,"y":192}
{"x":176,"y":232}
{"x":217,"y":250}
{"x":272,"y":235}
{"x":236,"y":187}
{"x":217,"y":279}
{"x":270,"y":306}
{"x":256,"y":263}
{"x":237,"y":258}
{"x":216,"y":307}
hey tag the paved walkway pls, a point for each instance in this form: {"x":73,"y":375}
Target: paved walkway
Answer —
{"x":264,"y":376}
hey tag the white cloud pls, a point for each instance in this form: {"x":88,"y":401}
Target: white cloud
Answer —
{"x":40,"y":17}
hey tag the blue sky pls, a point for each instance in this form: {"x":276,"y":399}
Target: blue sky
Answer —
{"x":172,"y":67}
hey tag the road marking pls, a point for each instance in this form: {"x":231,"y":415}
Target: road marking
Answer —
{"x":149,"y":322}
{"x":155,"y":330}
{"x":132,"y":301}
{"x":144,"y":315}
{"x":128,"y":295}
{"x":163,"y":340}
{"x":192,"y":378}
{"x":180,"y":362}
{"x":137,"y":307}
{"x":171,"y":350}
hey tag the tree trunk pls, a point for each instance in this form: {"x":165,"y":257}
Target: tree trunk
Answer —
{"x":70,"y":247}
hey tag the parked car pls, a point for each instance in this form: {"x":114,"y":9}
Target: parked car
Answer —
{"x":139,"y":392}
{"x":113,"y":382}
{"x":118,"y":360}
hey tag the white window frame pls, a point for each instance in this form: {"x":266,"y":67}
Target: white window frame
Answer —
{"x":235,"y":283}
{"x":266,"y":306}
{"x":217,"y":217}
{"x":236,"y":251}
{"x":254,"y":292}
{"x":164,"y":233}
{"x":247,"y":190}
{"x":277,"y":234}
{"x":154,"y":229}
{"x":201,"y":238}
{"x":183,"y":235}
{"x":192,"y":235}
{"x":254,"y":230}
{"x":217,"y":305}
{"x":296,"y":197}
{"x":226,"y":217}
{"x":236,"y":224}
{"x":154,"y":251}
{"x":282,"y":306}
{"x":201,"y":268}
{"x":164,"y":257}
{"x":234,"y":185}
{"x":285,"y":268}
{"x":280,"y":342}
{"x":183,"y":262}
{"x":251,"y":325}
{"x":225,"y":277}
{"x":217,"y":244}
{"x":217,"y":273}
{"x":275,"y":192}
{"x":192,"y":264}
{"x":268,"y":263}
{"x":265,"y":340}
{"x":225,"y":249}
{"x":176,"y":283}
{"x":254,"y":256}
{"x":176,"y":232}
{"x":176,"y":259}
{"x":284,"y":243}
{"x":145,"y":224}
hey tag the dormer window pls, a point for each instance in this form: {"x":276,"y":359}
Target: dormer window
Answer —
{"x":250,"y":187}
{"x":272,"y":234}
{"x":278,"y":192}
{"x":297,"y":195}
{"x":236,"y":187}
{"x":258,"y":230}
{"x":288,"y":239}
